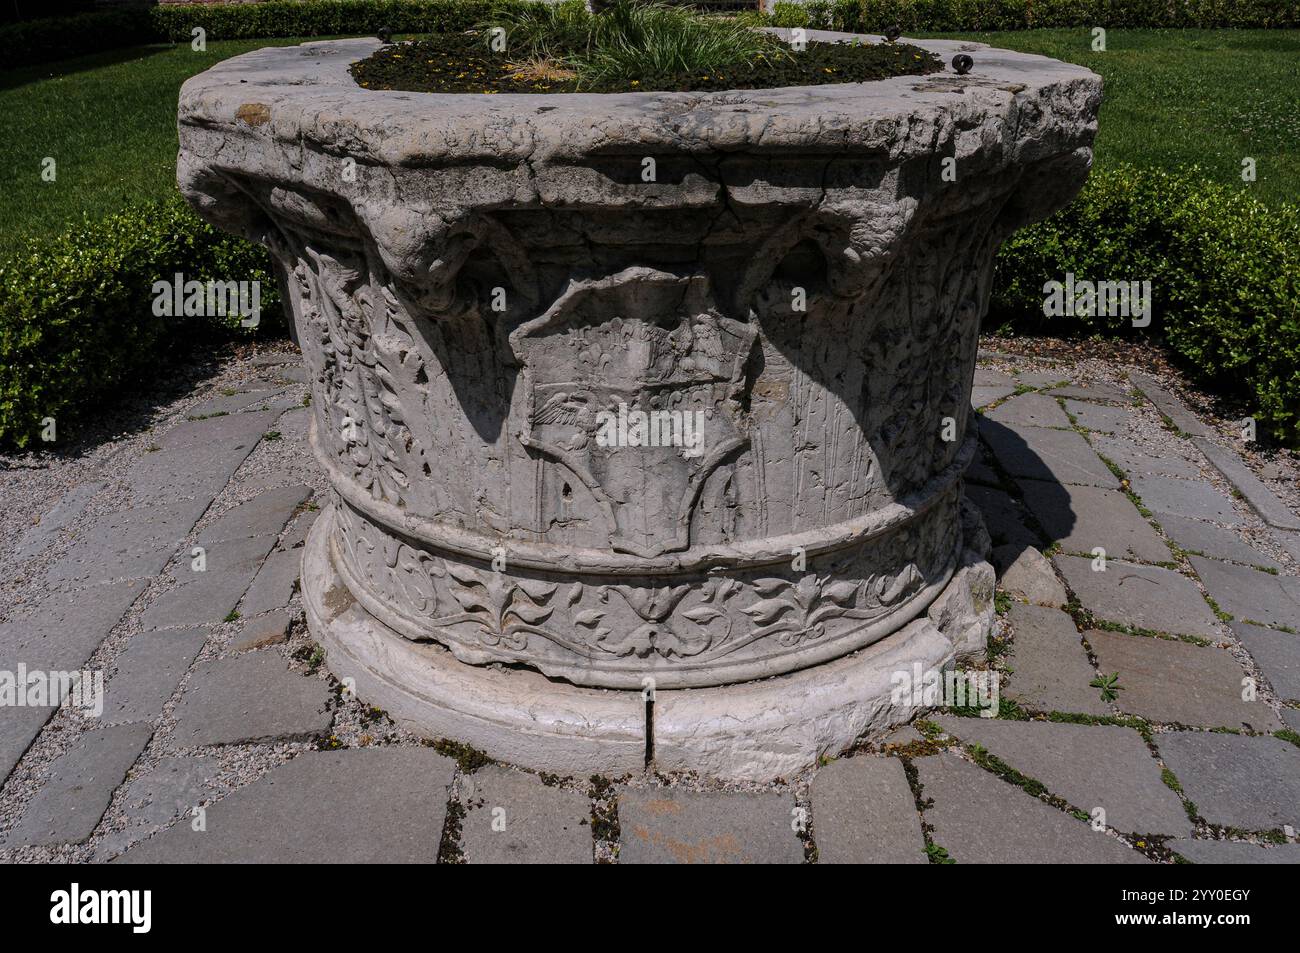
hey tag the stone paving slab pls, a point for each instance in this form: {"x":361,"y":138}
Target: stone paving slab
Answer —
{"x":1234,"y":852}
{"x":1277,"y":653}
{"x":1144,"y":596}
{"x":1082,"y":518}
{"x":1196,"y":498}
{"x":1090,"y":766}
{"x":983,"y":396}
{"x":674,"y":826}
{"x":863,"y":812}
{"x":1252,"y":784}
{"x":148,"y":672}
{"x":1039,"y":453}
{"x":1032,"y":410}
{"x":272,"y":628}
{"x":266,"y":513}
{"x":224,"y":404}
{"x":70,"y":803}
{"x":231,"y":555}
{"x":206,"y":600}
{"x":1165,"y":680}
{"x":274,"y":585}
{"x":235,"y":431}
{"x":1002,"y":517}
{"x":980,"y":819}
{"x":1168,"y":404}
{"x":514,"y":818}
{"x":153,"y":800}
{"x":1095,"y":392}
{"x":132,"y":543}
{"x":357,"y":806}
{"x":297,"y":533}
{"x":198,"y":472}
{"x":1041,"y":379}
{"x":1249,"y":594}
{"x":1099,"y":416}
{"x":1135,"y":461}
{"x":1217,"y":542}
{"x":251,"y":698}
{"x":57,"y":634}
{"x":1050,"y":669}
{"x":1292,"y":718}
{"x":69,"y":508}
{"x":1261,"y":499}
{"x":988,"y":377}
{"x":1026,"y":574}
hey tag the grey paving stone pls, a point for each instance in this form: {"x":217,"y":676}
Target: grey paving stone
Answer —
{"x":1169,"y":681}
{"x":1261,"y":499}
{"x":69,"y":508}
{"x":230,"y":555}
{"x":980,"y":470}
{"x":1249,"y":594}
{"x":127,"y":544}
{"x":673,"y":826}
{"x":232,"y":403}
{"x":57,"y":633}
{"x":513,"y":818}
{"x":250,"y":698}
{"x":1210,"y":540}
{"x":269,"y":629}
{"x":983,"y":396}
{"x":980,"y":819}
{"x":863,"y":813}
{"x":235,"y":431}
{"x":296,"y":373}
{"x":154,"y":799}
{"x":194,"y":472}
{"x":1277,"y":654}
{"x":1026,"y":574}
{"x":1043,"y":454}
{"x":263,"y":515}
{"x":1234,"y":852}
{"x":1001,"y":517}
{"x":1136,"y":460}
{"x":903,"y":736}
{"x":1094,"y":392}
{"x":366,"y":805}
{"x":1195,"y":498}
{"x":207,"y":600}
{"x":1099,"y":416}
{"x":1252,"y":784}
{"x":70,"y":803}
{"x":1033,"y":410}
{"x":1082,"y":518}
{"x":148,"y":672}
{"x":1050,"y":670}
{"x":294,"y":424}
{"x":274,"y":585}
{"x":275,"y":358}
{"x":1144,"y":596}
{"x":1090,"y":766}
{"x":987,"y":377}
{"x":1292,"y":718}
{"x":1040,"y":379}
{"x":1168,"y":404}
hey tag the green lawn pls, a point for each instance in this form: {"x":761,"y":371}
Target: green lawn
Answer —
{"x":1172,"y":97}
{"x":1209,"y":97}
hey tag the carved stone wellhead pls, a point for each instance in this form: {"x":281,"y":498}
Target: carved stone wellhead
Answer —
{"x":596,"y":437}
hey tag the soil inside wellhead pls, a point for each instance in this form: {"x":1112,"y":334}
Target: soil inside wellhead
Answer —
{"x":463,"y":63}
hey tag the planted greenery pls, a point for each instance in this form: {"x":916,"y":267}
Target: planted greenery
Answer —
{"x":628,"y":46}
{"x":1224,"y":270}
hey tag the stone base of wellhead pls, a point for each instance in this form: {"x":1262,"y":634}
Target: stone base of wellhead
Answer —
{"x":753,"y":731}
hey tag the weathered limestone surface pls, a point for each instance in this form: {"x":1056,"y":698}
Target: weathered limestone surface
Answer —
{"x":483,"y":286}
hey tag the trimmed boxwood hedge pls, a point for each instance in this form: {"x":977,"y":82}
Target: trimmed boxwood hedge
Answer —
{"x":1224,"y":270}
{"x":76,"y":312}
{"x":962,"y":16}
{"x":76,"y":320}
{"x":39,"y":41}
